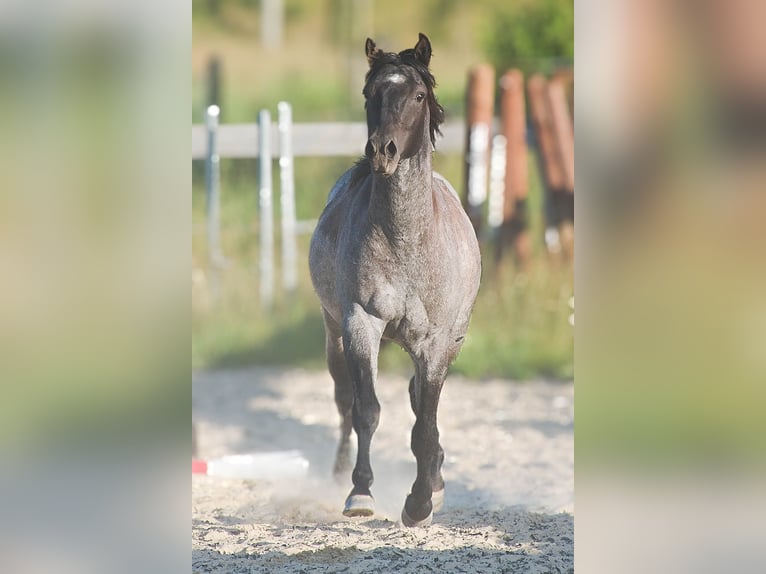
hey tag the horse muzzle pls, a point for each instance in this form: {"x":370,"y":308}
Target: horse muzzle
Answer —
{"x":383,"y":154}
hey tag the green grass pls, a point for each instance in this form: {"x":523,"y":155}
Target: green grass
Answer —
{"x":520,"y":325}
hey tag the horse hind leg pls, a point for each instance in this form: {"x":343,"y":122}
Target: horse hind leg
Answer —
{"x":437,"y":480}
{"x":344,"y":398}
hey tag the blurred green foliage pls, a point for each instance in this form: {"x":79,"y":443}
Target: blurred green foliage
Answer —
{"x":534,"y":36}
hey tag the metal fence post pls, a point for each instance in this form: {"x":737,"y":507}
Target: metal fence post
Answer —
{"x":214,"y":82}
{"x":265,"y":209}
{"x":213,"y":182}
{"x":287,"y":197}
{"x":213,"y":199}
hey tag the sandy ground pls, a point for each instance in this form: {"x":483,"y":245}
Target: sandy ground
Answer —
{"x":508,"y":470}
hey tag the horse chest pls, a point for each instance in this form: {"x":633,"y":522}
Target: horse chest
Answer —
{"x":401,"y":294}
{"x":415,"y":324}
{"x":406,"y":316}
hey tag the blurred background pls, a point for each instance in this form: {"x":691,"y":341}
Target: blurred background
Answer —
{"x":671,"y":269}
{"x":248,"y":56}
{"x":94,"y":295}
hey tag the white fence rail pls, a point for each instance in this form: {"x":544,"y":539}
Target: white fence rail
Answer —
{"x":325,"y":139}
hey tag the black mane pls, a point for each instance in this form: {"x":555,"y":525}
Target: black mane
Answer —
{"x":409,"y":58}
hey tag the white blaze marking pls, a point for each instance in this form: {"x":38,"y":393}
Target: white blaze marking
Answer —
{"x":396,"y":79}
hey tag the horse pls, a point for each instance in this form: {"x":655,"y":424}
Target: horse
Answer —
{"x":395,"y":257}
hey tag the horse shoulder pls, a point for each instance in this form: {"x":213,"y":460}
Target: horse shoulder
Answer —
{"x":327,"y":237}
{"x":338,"y":206}
{"x":457,"y":239}
{"x":449,"y":212}
{"x":441,"y":183}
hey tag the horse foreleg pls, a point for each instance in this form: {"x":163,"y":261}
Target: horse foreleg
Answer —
{"x":361,"y":342}
{"x":419,"y":506}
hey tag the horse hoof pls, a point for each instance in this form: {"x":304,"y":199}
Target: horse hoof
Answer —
{"x":437,"y":500}
{"x":359,"y":505}
{"x":410,"y":523}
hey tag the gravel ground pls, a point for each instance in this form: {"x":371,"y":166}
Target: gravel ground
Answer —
{"x":508,"y":470}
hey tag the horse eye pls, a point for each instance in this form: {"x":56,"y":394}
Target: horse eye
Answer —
{"x":420,"y":97}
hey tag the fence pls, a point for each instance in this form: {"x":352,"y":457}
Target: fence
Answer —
{"x":495,"y":169}
{"x":501,"y":159}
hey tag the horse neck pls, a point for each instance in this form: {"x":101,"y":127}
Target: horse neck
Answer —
{"x":402,"y":204}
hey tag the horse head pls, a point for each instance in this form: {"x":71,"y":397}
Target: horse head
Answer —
{"x":403,"y":115}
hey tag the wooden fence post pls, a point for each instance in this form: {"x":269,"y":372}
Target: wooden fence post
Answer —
{"x":562,"y":127}
{"x":514,"y":127}
{"x":552,"y":172}
{"x":479,"y":110}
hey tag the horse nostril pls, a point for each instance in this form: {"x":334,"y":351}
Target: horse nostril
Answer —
{"x":391,"y":149}
{"x":369,"y":149}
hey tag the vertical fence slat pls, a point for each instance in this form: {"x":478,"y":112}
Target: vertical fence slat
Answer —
{"x":212,"y":185}
{"x":287,"y":198}
{"x":562,"y":127}
{"x":266,"y":210}
{"x":214,"y":83}
{"x":497,"y":190}
{"x":514,"y":126}
{"x":213,"y":199}
{"x":553,"y":176}
{"x":564,"y":138}
{"x":480,"y":105}
{"x":541,"y":118}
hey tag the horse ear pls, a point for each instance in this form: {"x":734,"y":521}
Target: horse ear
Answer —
{"x":370,"y":50}
{"x":423,"y":49}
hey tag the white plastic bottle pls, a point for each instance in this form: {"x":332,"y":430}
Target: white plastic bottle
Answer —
{"x":256,"y":466}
